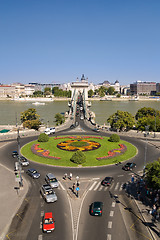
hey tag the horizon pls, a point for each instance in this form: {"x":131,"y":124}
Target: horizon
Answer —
{"x":56,"y":41}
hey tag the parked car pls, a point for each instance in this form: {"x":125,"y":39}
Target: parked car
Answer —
{"x":96,"y":208}
{"x":15,"y":154}
{"x":33,"y":173}
{"x":23,"y":161}
{"x":107,"y":181}
{"x":48,"y":194}
{"x":129,"y":166}
{"x":49,"y":131}
{"x":52,"y":180}
{"x":96,"y":129}
{"x":48,"y":224}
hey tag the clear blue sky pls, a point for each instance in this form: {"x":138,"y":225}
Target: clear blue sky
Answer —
{"x":56,"y":41}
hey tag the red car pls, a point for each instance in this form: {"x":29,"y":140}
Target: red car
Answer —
{"x":48,"y":223}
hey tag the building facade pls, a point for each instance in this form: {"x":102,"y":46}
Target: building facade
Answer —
{"x":143,"y":88}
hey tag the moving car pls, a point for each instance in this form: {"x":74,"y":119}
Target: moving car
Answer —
{"x":23,"y":161}
{"x":52,"y":180}
{"x":48,"y":223}
{"x":96,"y":208}
{"x":129,"y":166}
{"x":96,"y":129}
{"x":15,"y":154}
{"x":48,"y":194}
{"x":107,"y":181}
{"x":33,"y":173}
{"x":49,"y":131}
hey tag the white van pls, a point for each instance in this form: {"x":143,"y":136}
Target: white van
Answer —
{"x":49,"y":131}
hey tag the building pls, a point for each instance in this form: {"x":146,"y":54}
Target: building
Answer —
{"x":143,"y":88}
{"x":80,"y":87}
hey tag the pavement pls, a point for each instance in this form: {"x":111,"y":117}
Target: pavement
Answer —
{"x":11,"y":199}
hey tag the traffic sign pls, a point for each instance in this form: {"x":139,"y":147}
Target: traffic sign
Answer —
{"x":77,"y":188}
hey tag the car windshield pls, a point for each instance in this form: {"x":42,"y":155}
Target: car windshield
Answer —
{"x":107,"y":178}
{"x":49,"y":192}
{"x":128,"y":164}
{"x":34,"y":171}
{"x":53,"y":180}
{"x":48,"y":221}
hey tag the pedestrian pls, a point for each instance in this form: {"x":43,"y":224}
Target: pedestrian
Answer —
{"x":70,"y":176}
{"x":77,"y":184}
{"x":73,"y":188}
{"x":132,"y":179}
{"x":65,"y":176}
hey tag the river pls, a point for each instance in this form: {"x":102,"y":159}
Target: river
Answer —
{"x":103,"y":109}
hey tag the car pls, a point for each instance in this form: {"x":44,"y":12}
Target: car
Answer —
{"x":72,"y":126}
{"x":15,"y":154}
{"x":96,"y":129}
{"x":23,"y":161}
{"x":96,"y":208}
{"x":48,"y":194}
{"x":129,"y":166}
{"x":48,"y":224}
{"x":81,"y":117}
{"x":107,"y":181}
{"x":50,"y":130}
{"x":33,"y":173}
{"x":52,"y":180}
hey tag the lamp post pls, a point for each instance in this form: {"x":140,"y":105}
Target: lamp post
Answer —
{"x":19,"y":164}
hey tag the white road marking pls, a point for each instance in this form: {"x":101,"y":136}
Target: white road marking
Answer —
{"x":111,"y":186}
{"x":40,"y":225}
{"x":113,"y":204}
{"x":111,"y":213}
{"x":100,"y":188}
{"x":109,"y":224}
{"x":97,"y":186}
{"x":61,"y":185}
{"x":95,"y":179}
{"x":40,"y":237}
{"x":105,"y":189}
{"x":108,"y":236}
{"x":42,"y":213}
{"x":121,"y":187}
{"x":120,"y":176}
{"x":92,"y":186}
{"x":117,"y":185}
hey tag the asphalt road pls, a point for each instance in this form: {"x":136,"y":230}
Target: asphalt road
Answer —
{"x":73,"y":221}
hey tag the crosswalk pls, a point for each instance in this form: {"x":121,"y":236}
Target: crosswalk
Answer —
{"x":96,"y":186}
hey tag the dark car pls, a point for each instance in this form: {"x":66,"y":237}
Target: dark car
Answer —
{"x":15,"y":154}
{"x":129,"y":166}
{"x":96,"y":129}
{"x":33,"y":173}
{"x":107,"y":181}
{"x":96,"y":209}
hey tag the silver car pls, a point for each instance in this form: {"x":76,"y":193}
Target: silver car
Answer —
{"x":52,"y":180}
{"x":48,"y":194}
{"x":23,"y":161}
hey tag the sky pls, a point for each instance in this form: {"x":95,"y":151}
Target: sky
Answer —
{"x":56,"y":41}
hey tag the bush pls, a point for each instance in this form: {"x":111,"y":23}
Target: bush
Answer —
{"x":43,"y":137}
{"x":78,"y":157}
{"x":114,"y":138}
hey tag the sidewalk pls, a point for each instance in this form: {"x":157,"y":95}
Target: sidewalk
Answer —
{"x":10,"y":198}
{"x":144,"y":204}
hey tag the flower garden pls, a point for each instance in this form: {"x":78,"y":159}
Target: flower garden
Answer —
{"x":98,"y":150}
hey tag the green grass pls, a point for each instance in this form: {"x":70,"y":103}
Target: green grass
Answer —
{"x":90,"y":155}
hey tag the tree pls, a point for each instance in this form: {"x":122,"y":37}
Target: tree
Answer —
{"x":102,"y":91}
{"x":148,"y":117}
{"x":78,"y":157}
{"x":30,"y":119}
{"x":90,"y":93}
{"x":38,"y":94}
{"x":153,"y":174}
{"x":43,"y":137}
{"x":121,"y":120}
{"x":114,"y":138}
{"x":47,"y":91}
{"x":59,"y":119}
{"x":110,"y":90}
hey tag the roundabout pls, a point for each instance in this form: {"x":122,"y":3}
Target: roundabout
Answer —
{"x":99,"y":151}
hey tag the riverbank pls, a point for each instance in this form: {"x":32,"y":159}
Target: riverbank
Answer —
{"x":107,"y":98}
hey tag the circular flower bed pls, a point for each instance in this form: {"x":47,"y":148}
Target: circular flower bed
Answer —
{"x":78,"y":144}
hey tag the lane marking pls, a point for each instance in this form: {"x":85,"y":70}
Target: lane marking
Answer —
{"x":116,"y":187}
{"x":92,"y":186}
{"x":121,"y":187}
{"x":108,"y":236}
{"x":113,"y":204}
{"x":40,"y":237}
{"x":109,"y":224}
{"x":42,"y":213}
{"x":100,"y":188}
{"x":111,"y":186}
{"x":40,"y":225}
{"x":97,"y":186}
{"x":111,"y":213}
{"x":61,"y":186}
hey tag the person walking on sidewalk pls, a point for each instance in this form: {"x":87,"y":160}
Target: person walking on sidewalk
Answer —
{"x":70,"y":176}
{"x":65,"y":176}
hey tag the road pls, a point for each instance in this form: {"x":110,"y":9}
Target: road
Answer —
{"x":73,"y":221}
